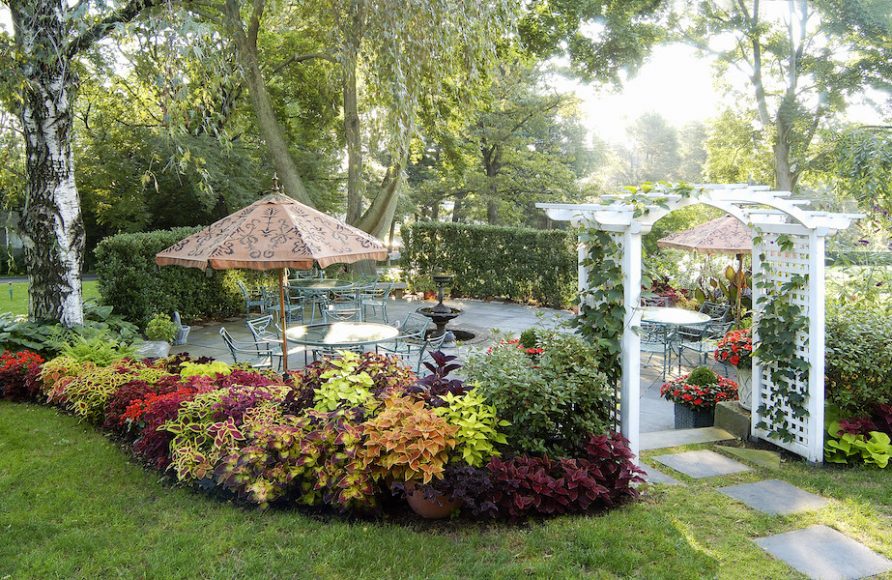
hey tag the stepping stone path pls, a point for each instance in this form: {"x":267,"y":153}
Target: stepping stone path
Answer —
{"x":822,"y":552}
{"x":653,"y":475}
{"x":818,"y":552}
{"x":700,"y":464}
{"x":775,"y":497}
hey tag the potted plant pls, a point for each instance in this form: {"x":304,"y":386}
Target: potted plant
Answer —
{"x":736,"y":349}
{"x":161,"y":332}
{"x":695,"y":396}
{"x":409,"y":444}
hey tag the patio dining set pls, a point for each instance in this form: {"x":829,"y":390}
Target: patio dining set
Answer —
{"x":684,"y":335}
{"x":326,"y":316}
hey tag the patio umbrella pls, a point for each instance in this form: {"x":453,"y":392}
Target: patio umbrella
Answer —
{"x":274,"y":233}
{"x":725,"y":235}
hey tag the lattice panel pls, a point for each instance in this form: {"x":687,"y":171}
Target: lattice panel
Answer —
{"x":617,"y":238}
{"x":780,"y":267}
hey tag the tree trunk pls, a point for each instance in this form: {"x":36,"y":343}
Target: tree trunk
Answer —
{"x":459,"y":207}
{"x":352,"y":133}
{"x":784,"y":177}
{"x":52,"y":229}
{"x":267,"y":122}
{"x":377,"y":218}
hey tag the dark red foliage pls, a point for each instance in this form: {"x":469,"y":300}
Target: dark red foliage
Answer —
{"x":245,"y":379}
{"x":237,"y":400}
{"x":153,"y":445}
{"x":882,"y":417}
{"x":879,"y":420}
{"x":14,"y":370}
{"x":438,"y":382}
{"x":137,"y":390}
{"x":525,"y":486}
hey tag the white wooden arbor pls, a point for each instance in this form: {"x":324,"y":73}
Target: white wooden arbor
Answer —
{"x":770,"y":214}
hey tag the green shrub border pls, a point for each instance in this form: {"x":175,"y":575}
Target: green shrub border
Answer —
{"x":518,"y":264}
{"x":137,"y":288}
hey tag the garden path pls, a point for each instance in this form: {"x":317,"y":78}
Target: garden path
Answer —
{"x":817,"y":551}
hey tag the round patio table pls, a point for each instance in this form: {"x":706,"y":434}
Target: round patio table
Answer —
{"x":321,"y":285}
{"x":341,"y":334}
{"x":673,"y":316}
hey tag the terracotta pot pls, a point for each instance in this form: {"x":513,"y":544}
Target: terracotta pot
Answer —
{"x":437,"y":508}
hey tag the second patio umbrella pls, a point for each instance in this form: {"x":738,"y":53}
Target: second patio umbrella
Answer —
{"x":274,"y":233}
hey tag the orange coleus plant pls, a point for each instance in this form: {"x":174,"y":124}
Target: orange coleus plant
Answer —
{"x":408,"y":441}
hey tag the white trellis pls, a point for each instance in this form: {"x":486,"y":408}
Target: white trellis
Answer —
{"x":773,"y":217}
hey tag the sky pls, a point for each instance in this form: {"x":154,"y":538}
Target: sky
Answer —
{"x":674,"y":82}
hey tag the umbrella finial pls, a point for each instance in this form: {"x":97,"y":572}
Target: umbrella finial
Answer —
{"x":276,"y":188}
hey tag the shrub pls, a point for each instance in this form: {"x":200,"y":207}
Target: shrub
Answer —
{"x":16,"y":374}
{"x":858,"y":362}
{"x":519,"y":264}
{"x":553,"y":403}
{"x":161,"y":327}
{"x":131,"y":282}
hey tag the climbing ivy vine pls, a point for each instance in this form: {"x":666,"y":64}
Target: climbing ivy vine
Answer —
{"x":779,"y":322}
{"x":601,"y":309}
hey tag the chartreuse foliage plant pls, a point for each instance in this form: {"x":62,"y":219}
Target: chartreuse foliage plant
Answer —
{"x":408,"y":441}
{"x":343,"y":386}
{"x":161,"y":327}
{"x":478,"y":425}
{"x":193,"y":369}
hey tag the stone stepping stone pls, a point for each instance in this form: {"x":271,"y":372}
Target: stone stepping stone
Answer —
{"x":701,"y":464}
{"x":759,"y":457}
{"x":822,"y":552}
{"x":775,"y":497}
{"x":679,"y":437}
{"x":653,"y":475}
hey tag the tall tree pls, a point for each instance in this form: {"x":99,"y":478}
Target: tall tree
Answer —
{"x":803,"y":60}
{"x":48,"y":37}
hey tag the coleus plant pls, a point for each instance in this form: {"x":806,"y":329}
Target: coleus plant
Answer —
{"x":14,"y":370}
{"x":408,"y":441}
{"x":477,"y":425}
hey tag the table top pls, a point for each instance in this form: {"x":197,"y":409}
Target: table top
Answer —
{"x":328,"y":284}
{"x":675,"y":316}
{"x":342,"y":333}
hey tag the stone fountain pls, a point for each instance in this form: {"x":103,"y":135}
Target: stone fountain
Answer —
{"x":440,"y":314}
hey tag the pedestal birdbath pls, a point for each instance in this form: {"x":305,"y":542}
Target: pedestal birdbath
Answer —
{"x":440,"y":314}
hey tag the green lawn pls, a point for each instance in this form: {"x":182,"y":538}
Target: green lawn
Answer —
{"x":73,"y":505}
{"x":18,"y":303}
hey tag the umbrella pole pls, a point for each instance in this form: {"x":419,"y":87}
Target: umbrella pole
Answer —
{"x":284,"y":316}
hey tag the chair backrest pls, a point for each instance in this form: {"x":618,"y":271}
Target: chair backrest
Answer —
{"x":415,"y":325}
{"x":717,"y":330}
{"x":258,"y":326}
{"x":242,"y":288}
{"x":230,"y":343}
{"x":653,"y":333}
{"x":715,"y":310}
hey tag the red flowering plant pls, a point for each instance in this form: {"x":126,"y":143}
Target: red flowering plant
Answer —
{"x":14,"y":371}
{"x":700,"y":389}
{"x":532,"y":351}
{"x":735,"y":348}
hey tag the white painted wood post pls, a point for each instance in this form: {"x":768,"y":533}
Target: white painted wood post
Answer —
{"x":582,"y":281}
{"x":816,"y":282}
{"x":758,"y":277}
{"x":630,"y":409}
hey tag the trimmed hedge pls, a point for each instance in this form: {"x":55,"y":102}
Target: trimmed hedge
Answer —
{"x":858,"y":361}
{"x":137,"y":288}
{"x":518,"y":264}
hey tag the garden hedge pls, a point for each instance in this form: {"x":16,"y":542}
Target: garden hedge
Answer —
{"x":858,"y":363}
{"x":131,"y":282}
{"x":518,"y":264}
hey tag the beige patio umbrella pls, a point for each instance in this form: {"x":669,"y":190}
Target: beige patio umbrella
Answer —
{"x":274,"y":233}
{"x":725,"y":235}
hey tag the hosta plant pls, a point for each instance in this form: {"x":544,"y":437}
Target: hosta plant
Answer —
{"x":478,"y":427}
{"x":408,"y":441}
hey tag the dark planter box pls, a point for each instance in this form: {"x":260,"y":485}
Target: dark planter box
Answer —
{"x":687,"y":418}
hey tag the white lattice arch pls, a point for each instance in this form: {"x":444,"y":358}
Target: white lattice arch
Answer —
{"x":770,"y":214}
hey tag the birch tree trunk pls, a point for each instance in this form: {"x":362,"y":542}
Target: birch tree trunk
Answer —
{"x":52,"y":229}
